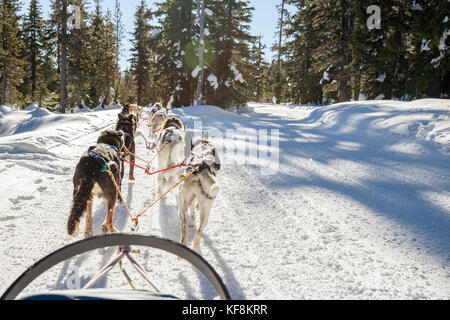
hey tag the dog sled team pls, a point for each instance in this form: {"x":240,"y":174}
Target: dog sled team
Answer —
{"x":100,"y":170}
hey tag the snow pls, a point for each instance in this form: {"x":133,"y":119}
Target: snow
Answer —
{"x":381,"y":78}
{"x":442,"y":48}
{"x":213,"y":81}
{"x":425,"y":45}
{"x":178,"y":64}
{"x":417,"y":7}
{"x":326,"y":75}
{"x":156,"y":32}
{"x":237,"y":74}
{"x":196,"y":71}
{"x":358,"y":207}
{"x":209,"y":12}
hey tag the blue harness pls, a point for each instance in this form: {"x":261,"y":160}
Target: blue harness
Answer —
{"x":101,"y":160}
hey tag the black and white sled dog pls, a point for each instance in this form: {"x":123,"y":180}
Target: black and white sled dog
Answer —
{"x":171,"y":150}
{"x":127,"y":123}
{"x":156,"y":108}
{"x":91,"y":179}
{"x":200,"y":189}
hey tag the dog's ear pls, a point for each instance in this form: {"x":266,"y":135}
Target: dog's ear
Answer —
{"x":206,"y":136}
{"x":185,"y":126}
{"x":130,"y":118}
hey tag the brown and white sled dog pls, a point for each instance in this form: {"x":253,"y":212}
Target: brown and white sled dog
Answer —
{"x":200,"y":189}
{"x":126,"y":122}
{"x":91,"y":180}
{"x":171,"y":150}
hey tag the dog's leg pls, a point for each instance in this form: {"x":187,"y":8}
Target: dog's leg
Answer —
{"x":192,"y":211}
{"x":205,"y":209}
{"x":89,"y":232}
{"x":182,"y":214}
{"x":160,"y":183}
{"x":132,"y":159}
{"x":110,"y":209}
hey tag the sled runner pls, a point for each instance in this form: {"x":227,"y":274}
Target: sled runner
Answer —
{"x":124,"y":242}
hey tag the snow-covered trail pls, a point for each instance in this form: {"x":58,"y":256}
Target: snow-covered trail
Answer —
{"x":345,"y":217}
{"x":353,"y":212}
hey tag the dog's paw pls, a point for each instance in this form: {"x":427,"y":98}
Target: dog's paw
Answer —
{"x":73,"y":230}
{"x":104,"y":229}
{"x":88,"y":234}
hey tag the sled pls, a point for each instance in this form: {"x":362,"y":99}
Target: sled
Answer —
{"x":125,"y":243}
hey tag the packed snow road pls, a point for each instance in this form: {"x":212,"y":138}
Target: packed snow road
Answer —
{"x":352,"y":201}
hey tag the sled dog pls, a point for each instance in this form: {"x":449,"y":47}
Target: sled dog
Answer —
{"x":127,"y":124}
{"x":157,"y":107}
{"x":200,"y":189}
{"x":91,"y":179}
{"x":171,"y":149}
{"x":136,"y":111}
{"x":155,"y":122}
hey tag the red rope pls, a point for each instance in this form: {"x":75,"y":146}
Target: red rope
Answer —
{"x":151,"y":173}
{"x":157,"y":130}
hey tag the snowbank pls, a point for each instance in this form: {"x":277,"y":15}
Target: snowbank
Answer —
{"x":425,"y":120}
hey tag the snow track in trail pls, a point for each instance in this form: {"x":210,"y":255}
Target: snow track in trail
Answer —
{"x":357,"y":210}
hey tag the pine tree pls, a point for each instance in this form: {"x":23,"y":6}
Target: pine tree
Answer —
{"x":80,"y":60}
{"x":33,"y":49}
{"x":59,"y":18}
{"x":49,"y":80}
{"x":230,"y":38}
{"x":11,"y":45}
{"x":141,"y":57}
{"x":118,"y":34}
{"x":278,"y":81}
{"x":429,"y":54}
{"x":175,"y":52}
{"x":302,"y":65}
{"x":258,"y":71}
{"x":104,"y":62}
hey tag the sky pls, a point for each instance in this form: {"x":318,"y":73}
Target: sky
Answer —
{"x":264,"y":21}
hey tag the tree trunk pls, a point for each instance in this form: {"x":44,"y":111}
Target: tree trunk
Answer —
{"x":345,"y":89}
{"x":63,"y":97}
{"x":4,"y":85}
{"x":435,"y":87}
{"x":357,"y":90}
{"x":201,"y":76}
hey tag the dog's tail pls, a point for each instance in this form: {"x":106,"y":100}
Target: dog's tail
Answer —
{"x":209,"y":184}
{"x":82,"y":194}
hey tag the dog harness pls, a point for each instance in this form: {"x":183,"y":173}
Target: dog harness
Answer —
{"x":198,"y":158}
{"x":99,"y":158}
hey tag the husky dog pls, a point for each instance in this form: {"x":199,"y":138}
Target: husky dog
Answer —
{"x":157,"y":107}
{"x":155,"y":123}
{"x":91,"y":180}
{"x":136,"y":111}
{"x":127,"y":124}
{"x":200,"y":189}
{"x":171,"y":148}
